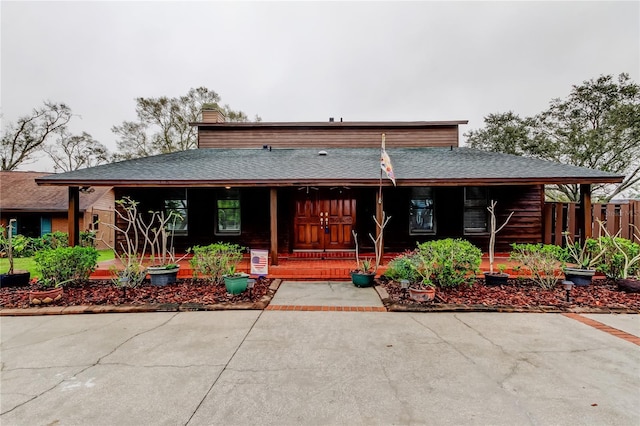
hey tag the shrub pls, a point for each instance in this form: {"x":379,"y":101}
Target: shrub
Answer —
{"x":541,"y":259}
{"x":453,"y":261}
{"x":88,"y":238}
{"x":216,"y":259}
{"x":23,"y":246}
{"x":54,"y":240}
{"x":402,"y":267}
{"x":66,"y":264}
{"x":612,"y":262}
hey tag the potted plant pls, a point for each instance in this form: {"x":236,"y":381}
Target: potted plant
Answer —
{"x":365,"y":272}
{"x":400,"y":269}
{"x":491,"y":277}
{"x":581,"y":259}
{"x":139,"y":235}
{"x":423,"y":289}
{"x":363,"y":275}
{"x":164,"y":267}
{"x":12,"y":278}
{"x":61,"y":266}
{"x":49,"y":291}
{"x":130,"y":246}
{"x":235,"y":282}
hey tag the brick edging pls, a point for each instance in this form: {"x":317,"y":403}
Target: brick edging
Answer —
{"x":603,"y":327}
{"x":325,"y":308}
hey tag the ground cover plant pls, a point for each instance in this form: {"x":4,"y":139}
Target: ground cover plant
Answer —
{"x":103,"y":292}
{"x":521,"y":294}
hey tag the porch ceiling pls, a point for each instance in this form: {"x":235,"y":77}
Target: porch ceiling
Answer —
{"x":343,"y":166}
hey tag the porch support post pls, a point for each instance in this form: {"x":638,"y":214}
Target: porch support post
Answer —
{"x":274,"y":225}
{"x":73,"y":216}
{"x":585,"y":206}
{"x":379,"y":210}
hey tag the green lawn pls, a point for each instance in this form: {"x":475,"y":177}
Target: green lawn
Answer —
{"x":28,"y":264}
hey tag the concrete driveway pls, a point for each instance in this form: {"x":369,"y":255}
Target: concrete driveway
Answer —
{"x":292,"y":367}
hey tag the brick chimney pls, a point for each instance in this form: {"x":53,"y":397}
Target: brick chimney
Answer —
{"x":211,"y":114}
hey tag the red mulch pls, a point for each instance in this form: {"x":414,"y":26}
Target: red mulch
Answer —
{"x":525,"y":293}
{"x":105,"y":293}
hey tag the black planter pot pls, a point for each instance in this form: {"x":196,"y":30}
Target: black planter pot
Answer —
{"x":162,"y":276}
{"x":17,"y":279}
{"x":578,"y":276}
{"x":495,"y":278}
{"x":629,"y":285}
{"x":360,"y":279}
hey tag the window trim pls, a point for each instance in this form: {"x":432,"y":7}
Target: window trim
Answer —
{"x":483,"y":207}
{"x":414,"y":196}
{"x":175,"y":196}
{"x":227,"y":194}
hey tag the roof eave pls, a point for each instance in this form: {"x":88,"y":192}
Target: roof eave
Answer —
{"x":331,"y":182}
{"x":329,"y":124}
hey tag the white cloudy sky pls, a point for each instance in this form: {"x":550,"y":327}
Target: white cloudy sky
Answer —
{"x":308,"y":61}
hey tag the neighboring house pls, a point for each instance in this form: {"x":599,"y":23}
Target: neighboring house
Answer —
{"x":294,"y":187}
{"x":39,"y":210}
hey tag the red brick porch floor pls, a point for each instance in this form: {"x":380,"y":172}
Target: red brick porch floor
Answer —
{"x":303,"y":269}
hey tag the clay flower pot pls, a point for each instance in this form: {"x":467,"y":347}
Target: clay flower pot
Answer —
{"x":44,"y":297}
{"x":422,"y":294}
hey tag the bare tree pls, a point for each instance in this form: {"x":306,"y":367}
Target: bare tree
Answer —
{"x":73,"y":152}
{"x":20,"y":140}
{"x":163,"y":123}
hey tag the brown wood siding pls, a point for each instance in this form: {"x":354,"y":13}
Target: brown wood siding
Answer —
{"x":441,"y":136}
{"x":525,"y":225}
{"x":201,"y":213}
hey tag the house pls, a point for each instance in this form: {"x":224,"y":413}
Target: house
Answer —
{"x":39,"y":210}
{"x":303,"y":187}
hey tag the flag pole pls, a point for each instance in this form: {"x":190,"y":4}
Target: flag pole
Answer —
{"x":382,"y":148}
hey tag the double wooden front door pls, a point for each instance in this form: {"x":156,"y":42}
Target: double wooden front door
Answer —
{"x":324,"y":220}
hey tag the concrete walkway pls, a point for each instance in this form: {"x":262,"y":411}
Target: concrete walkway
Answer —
{"x":335,"y":368}
{"x":318,"y":295}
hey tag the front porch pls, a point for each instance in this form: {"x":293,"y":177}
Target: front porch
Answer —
{"x":300,"y":268}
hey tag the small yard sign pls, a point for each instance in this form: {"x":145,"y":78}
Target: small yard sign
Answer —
{"x":259,"y":262}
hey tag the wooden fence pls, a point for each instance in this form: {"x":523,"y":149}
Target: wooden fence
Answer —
{"x":623,"y":217}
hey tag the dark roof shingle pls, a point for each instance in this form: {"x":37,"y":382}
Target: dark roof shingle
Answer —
{"x":355,"y":165}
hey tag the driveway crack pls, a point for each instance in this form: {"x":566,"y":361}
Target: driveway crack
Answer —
{"x":215,"y":381}
{"x":82,"y":370}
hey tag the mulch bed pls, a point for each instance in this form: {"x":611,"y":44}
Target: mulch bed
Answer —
{"x":519,"y":295}
{"x":185,"y":291}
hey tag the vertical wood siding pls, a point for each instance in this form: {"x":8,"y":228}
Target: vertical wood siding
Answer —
{"x":441,"y":136}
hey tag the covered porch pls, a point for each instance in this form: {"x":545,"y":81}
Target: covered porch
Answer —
{"x":299,"y":268}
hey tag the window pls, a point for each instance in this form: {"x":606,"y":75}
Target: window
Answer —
{"x":95,"y":221}
{"x":228,"y":213}
{"x":421,"y":214}
{"x":475,"y":210}
{"x":177,"y":208}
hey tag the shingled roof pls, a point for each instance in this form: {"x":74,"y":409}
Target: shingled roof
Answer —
{"x":354,"y":166}
{"x":20,"y":193}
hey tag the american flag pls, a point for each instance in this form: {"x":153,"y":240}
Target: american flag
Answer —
{"x":259,"y":261}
